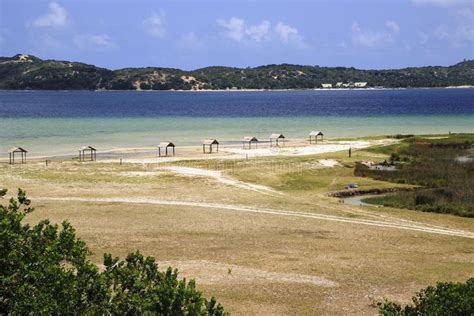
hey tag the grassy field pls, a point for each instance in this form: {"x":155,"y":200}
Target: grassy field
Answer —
{"x":262,"y":237}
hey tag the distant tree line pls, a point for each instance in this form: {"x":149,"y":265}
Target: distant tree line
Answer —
{"x":38,"y":74}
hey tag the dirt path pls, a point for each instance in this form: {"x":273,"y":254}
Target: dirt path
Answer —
{"x":219,"y":177}
{"x":412,"y":226}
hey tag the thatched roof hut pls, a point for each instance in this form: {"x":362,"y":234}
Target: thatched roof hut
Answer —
{"x":314,"y":135}
{"x":248,"y":140}
{"x":90,"y":151}
{"x":15,"y":150}
{"x":209,"y":143}
{"x":275,"y":139}
{"x":165,"y":146}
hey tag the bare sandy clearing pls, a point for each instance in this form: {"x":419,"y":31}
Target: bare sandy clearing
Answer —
{"x":419,"y":227}
{"x":327,"y":147}
{"x":208,"y":272}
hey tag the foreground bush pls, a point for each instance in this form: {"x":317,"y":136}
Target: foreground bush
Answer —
{"x":444,"y":299}
{"x":45,"y":270}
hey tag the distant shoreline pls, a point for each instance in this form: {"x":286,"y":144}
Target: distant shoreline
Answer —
{"x":249,"y":90}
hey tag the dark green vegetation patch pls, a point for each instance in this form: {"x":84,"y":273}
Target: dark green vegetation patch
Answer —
{"x":442,"y":166}
{"x":446,"y":298}
{"x":29,"y":72}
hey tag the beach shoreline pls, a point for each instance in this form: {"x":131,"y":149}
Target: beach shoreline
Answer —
{"x":295,"y":147}
{"x":250,"y":90}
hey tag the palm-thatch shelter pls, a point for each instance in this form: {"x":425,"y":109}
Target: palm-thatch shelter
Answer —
{"x":209,"y":143}
{"x":314,"y":135}
{"x":17,"y":149}
{"x":165,"y":146}
{"x":275,"y":139}
{"x":247,"y":142}
{"x":90,"y":151}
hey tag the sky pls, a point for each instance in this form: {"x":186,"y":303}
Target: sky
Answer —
{"x":367,"y":34}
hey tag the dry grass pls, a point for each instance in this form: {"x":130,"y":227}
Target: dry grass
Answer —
{"x":348,"y":265}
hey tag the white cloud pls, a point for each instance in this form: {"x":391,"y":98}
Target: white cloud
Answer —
{"x":238,"y":30}
{"x":369,"y":38}
{"x":155,"y":25}
{"x":392,"y":26}
{"x":235,"y":28}
{"x":93,"y":42}
{"x":56,"y":17}
{"x":259,"y":32}
{"x":443,"y":3}
{"x":286,"y":32}
{"x":289,"y":35}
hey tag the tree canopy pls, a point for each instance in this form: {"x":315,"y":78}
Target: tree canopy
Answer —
{"x":45,"y":270}
{"x":446,"y":298}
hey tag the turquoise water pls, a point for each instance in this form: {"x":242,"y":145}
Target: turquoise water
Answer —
{"x":59,"y":122}
{"x":48,"y":136}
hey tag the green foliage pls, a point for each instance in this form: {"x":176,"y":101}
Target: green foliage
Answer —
{"x":45,"y":270}
{"x":446,"y":298}
{"x":53,"y":75}
{"x":434,"y":164}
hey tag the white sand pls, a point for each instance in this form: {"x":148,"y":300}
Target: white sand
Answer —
{"x":236,"y":152}
{"x":321,"y":148}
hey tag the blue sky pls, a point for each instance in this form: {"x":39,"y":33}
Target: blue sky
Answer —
{"x":366,"y":34}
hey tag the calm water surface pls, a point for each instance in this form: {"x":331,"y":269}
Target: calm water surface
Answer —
{"x":60,"y":121}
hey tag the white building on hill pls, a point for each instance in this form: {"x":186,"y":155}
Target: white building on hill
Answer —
{"x":360,"y":84}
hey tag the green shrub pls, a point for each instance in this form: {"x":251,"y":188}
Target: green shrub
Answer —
{"x":45,"y":270}
{"x":446,"y":298}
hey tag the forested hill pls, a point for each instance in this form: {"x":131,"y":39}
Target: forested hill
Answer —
{"x":29,"y":72}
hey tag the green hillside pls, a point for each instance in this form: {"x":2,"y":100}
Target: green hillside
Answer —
{"x":29,"y":72}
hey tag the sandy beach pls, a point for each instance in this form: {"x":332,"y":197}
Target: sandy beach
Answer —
{"x":295,"y":147}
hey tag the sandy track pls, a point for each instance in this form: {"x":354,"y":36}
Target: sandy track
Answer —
{"x":418,"y":227}
{"x":219,"y":177}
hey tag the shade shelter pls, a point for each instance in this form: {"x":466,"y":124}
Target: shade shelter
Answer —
{"x":247,"y":142}
{"x":275,"y":139}
{"x":164,"y":146}
{"x":16,"y":150}
{"x":314,"y":136}
{"x":209,"y":143}
{"x":88,"y":151}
